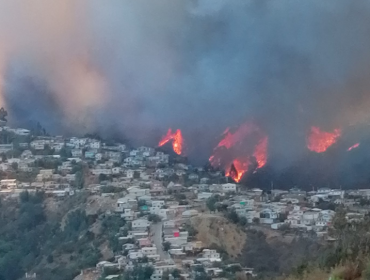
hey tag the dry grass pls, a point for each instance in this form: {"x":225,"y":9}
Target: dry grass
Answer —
{"x":316,"y":274}
{"x":218,"y":230}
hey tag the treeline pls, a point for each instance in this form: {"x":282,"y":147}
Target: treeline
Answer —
{"x":29,"y":242}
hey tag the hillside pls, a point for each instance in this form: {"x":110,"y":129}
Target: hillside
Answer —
{"x":218,"y":231}
{"x":54,"y":238}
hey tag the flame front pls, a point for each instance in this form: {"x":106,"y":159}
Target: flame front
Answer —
{"x":260,"y":152}
{"x":238,"y":168}
{"x":319,"y":141}
{"x":353,"y":147}
{"x":232,"y":151}
{"x":177,"y":140}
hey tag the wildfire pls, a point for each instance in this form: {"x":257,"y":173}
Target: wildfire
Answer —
{"x":260,"y":152}
{"x":319,"y":141}
{"x":177,"y":140}
{"x":230,"y":139}
{"x":235,"y":151}
{"x":353,"y":147}
{"x":237,"y":169}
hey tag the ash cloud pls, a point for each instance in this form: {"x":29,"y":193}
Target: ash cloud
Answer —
{"x":141,"y":67}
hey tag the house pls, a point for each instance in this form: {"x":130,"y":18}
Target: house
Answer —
{"x":98,"y":171}
{"x":126,"y":202}
{"x":5,"y":148}
{"x":46,"y":173}
{"x":140,"y":224}
{"x":70,"y":177}
{"x":149,"y":250}
{"x":146,"y":151}
{"x":90,"y":154}
{"x":136,"y":191}
{"x":215,"y":188}
{"x":116,"y":170}
{"x":163,"y":213}
{"x":130,"y":173}
{"x":310,"y":217}
{"x":76,"y":152}
{"x":158,"y":203}
{"x":193,"y":177}
{"x":204,"y":180}
{"x":94,"y":144}
{"x":128,"y":214}
{"x":22,"y":131}
{"x":114,"y":156}
{"x":37,"y":144}
{"x":98,"y":156}
{"x":210,"y":254}
{"x":134,"y":255}
{"x":159,"y":269}
{"x":26,"y":154}
{"x":8,"y":183}
{"x":204,"y":195}
{"x":229,"y":187}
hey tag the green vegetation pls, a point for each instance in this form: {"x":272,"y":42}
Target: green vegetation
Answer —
{"x":55,"y":249}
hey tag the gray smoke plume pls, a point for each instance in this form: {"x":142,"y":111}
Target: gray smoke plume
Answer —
{"x":140,"y":67}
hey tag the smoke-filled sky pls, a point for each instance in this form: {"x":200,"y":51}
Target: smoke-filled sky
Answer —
{"x":138,"y":67}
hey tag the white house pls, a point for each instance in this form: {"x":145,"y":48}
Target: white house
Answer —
{"x":204,"y":195}
{"x":158,"y":203}
{"x":163,"y":213}
{"x":136,"y":191}
{"x":140,"y":224}
{"x":210,"y":254}
{"x":160,"y":269}
{"x":128,"y":214}
{"x":229,"y":187}
{"x":94,"y":144}
{"x":149,"y":250}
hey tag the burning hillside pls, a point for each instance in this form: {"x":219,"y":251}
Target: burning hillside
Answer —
{"x":319,"y":141}
{"x":240,"y":150}
{"x":176,"y":138}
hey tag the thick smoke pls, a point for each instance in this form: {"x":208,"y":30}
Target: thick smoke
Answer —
{"x":140,"y":67}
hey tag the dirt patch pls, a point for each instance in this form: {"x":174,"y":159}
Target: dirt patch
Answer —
{"x":219,"y":231}
{"x":97,"y":203}
{"x":273,"y":236}
{"x":106,"y":251}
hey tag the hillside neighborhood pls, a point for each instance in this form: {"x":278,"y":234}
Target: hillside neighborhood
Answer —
{"x":158,"y":195}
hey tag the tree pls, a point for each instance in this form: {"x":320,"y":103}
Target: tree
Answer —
{"x":232,"y":216}
{"x":211,"y":204}
{"x":243,"y":221}
{"x":50,"y":259}
{"x":139,"y":272}
{"x":256,"y":220}
{"x":3,"y":114}
{"x":79,"y":179}
{"x":103,"y":177}
{"x":175,"y":273}
{"x":166,"y":246}
{"x":154,"y":218}
{"x":15,"y":166}
{"x":24,"y":196}
{"x":136,"y":175}
{"x":65,"y":153}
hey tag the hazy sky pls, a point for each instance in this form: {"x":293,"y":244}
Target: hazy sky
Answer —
{"x":139,"y":67}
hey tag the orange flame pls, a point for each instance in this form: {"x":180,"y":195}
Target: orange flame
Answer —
{"x":230,"y":139}
{"x":260,"y":152}
{"x":177,"y":143}
{"x":233,"y":143}
{"x":319,"y":141}
{"x":353,"y":147}
{"x":241,"y":166}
